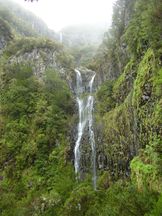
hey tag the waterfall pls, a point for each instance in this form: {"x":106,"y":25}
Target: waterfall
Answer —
{"x":61,"y":37}
{"x":85,"y":109}
{"x":91,"y":132}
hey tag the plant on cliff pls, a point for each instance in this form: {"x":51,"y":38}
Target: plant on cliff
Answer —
{"x":131,"y":126}
{"x":36,"y":175}
{"x":35,"y":120}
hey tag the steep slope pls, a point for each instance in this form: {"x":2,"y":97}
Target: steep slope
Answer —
{"x":37,"y":116}
{"x":23,"y":22}
{"x":40,"y":54}
{"x":128,"y":115}
{"x":5,"y":34}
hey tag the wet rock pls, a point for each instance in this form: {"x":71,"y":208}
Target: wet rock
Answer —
{"x":1,"y":178}
{"x":40,"y":60}
{"x":3,"y":43}
{"x":145,"y":97}
{"x":86,"y":77}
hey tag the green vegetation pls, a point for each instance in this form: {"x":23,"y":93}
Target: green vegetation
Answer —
{"x":37,"y":115}
{"x":129,"y":108}
{"x":83,"y":53}
{"x":23,"y":22}
{"x":5,"y":29}
{"x":33,"y":145}
{"x":23,"y":45}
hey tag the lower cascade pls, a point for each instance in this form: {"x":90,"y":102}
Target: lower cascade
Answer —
{"x":85,"y":101}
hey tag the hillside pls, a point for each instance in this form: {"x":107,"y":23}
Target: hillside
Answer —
{"x":23,"y":22}
{"x":129,"y":106}
{"x":81,"y":141}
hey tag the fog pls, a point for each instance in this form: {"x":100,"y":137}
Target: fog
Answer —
{"x":62,"y":13}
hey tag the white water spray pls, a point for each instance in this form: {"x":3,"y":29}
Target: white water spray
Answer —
{"x":85,"y":107}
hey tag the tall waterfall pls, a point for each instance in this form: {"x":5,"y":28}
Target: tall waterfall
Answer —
{"x":85,"y":108}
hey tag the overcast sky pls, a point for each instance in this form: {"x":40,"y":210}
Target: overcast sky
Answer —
{"x":61,"y":13}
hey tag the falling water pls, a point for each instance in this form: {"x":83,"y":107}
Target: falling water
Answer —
{"x":91,"y":132}
{"x":85,"y":107}
{"x":61,"y":37}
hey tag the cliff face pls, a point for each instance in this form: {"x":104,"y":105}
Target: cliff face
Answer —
{"x":38,"y":121}
{"x":128,"y":121}
{"x":5,"y":35}
{"x":36,"y":116}
{"x":41,"y":55}
{"x":23,"y":22}
{"x":113,"y":54}
{"x":26,"y":40}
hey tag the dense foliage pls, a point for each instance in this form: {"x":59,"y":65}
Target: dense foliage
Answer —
{"x":35,"y":119}
{"x":37,"y":115}
{"x":129,"y":105}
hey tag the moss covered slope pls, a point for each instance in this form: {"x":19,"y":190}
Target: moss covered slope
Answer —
{"x":129,"y":104}
{"x":36,"y":117}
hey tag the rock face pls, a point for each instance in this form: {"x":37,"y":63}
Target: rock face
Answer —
{"x":130,"y":128}
{"x":127,"y":130}
{"x":84,"y":147}
{"x":40,"y":60}
{"x":116,"y":142}
{"x":114,"y":157}
{"x":113,"y":153}
{"x":3,"y":43}
{"x":42,"y":55}
{"x":86,"y":77}
{"x":39,"y":53}
{"x":5,"y":35}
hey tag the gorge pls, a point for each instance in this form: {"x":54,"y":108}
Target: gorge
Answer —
{"x":81,"y":126}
